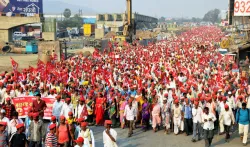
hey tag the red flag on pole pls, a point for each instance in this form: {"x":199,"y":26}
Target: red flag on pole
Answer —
{"x":14,"y":64}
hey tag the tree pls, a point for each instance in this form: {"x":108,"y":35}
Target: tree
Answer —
{"x":67,"y":13}
{"x":75,"y":21}
{"x":162,"y":19}
{"x":212,"y":16}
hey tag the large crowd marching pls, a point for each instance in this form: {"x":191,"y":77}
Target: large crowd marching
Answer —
{"x":182,"y":84}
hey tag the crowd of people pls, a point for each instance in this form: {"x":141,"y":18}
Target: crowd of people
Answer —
{"x":181,"y":85}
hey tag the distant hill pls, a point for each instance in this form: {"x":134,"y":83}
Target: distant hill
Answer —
{"x":57,"y":7}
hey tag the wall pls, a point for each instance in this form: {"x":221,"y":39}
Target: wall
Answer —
{"x":7,"y":23}
{"x":47,"y":47}
{"x":10,"y":22}
{"x":4,"y":35}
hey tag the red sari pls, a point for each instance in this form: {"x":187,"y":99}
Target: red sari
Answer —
{"x":99,"y":110}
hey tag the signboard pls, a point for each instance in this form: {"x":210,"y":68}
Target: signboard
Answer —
{"x":22,"y":105}
{"x":242,"y":8}
{"x":27,"y":7}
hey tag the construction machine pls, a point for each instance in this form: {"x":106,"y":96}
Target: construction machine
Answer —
{"x":129,"y":28}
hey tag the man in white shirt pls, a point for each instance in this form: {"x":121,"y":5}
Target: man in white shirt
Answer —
{"x":197,"y":115}
{"x":80,"y":108}
{"x":130,"y":115}
{"x":2,"y":91}
{"x":13,"y":123}
{"x":228,"y":119}
{"x":66,"y":108}
{"x":231,"y":101}
{"x":87,"y":135}
{"x":109,"y":135}
{"x":52,"y":94}
{"x":57,"y":107}
{"x":177,"y":115}
{"x":222,"y":108}
{"x":208,"y":120}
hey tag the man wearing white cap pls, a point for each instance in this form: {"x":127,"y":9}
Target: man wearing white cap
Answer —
{"x":166,"y":110}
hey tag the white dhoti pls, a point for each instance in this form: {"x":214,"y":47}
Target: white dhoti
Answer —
{"x":177,"y":124}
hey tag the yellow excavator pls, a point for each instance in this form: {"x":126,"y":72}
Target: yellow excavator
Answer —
{"x":129,"y":28}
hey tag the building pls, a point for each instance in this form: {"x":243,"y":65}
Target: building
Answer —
{"x":239,"y":25}
{"x":61,"y":17}
{"x":117,"y":21}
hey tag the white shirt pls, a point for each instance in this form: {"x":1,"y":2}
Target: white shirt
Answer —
{"x":177,"y":111}
{"x":52,"y":96}
{"x":130,"y":114}
{"x":12,"y":125}
{"x":19,"y":94}
{"x":45,"y":94}
{"x":78,"y":110}
{"x":197,"y":114}
{"x":231,"y":102}
{"x":248,"y":102}
{"x":106,"y":139}
{"x":2,"y":92}
{"x":85,"y":136}
{"x":57,"y":108}
{"x":222,"y":106}
{"x":66,"y":109}
{"x":208,"y":125}
{"x":228,"y":117}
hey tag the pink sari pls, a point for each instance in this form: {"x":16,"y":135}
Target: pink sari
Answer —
{"x":122,"y":108}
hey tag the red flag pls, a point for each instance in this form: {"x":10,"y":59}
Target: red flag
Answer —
{"x":14,"y":64}
{"x":32,"y":69}
{"x":40,"y":65}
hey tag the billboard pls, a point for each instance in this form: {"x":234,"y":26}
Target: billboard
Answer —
{"x":242,"y":8}
{"x":26,"y":7}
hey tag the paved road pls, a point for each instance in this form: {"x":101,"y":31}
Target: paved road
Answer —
{"x":159,"y":139}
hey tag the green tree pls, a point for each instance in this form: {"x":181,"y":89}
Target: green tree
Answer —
{"x":67,"y":13}
{"x":75,"y":21}
{"x":162,"y":19}
{"x":212,"y":16}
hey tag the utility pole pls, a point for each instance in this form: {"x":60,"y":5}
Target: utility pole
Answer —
{"x":65,"y":48}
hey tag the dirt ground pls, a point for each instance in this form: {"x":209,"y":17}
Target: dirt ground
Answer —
{"x":26,"y":60}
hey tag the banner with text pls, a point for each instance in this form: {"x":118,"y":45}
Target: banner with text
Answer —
{"x":27,"y":7}
{"x":22,"y":105}
{"x":242,"y":8}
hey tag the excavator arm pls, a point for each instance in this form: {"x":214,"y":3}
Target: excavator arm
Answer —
{"x":128,"y":30}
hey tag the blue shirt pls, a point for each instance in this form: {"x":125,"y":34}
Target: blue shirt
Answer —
{"x":27,"y":124}
{"x":33,"y":94}
{"x":133,"y":93}
{"x":77,"y":130}
{"x":187,"y":110}
{"x":242,"y":116}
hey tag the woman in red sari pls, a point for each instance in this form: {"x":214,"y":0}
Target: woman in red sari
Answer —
{"x":99,"y":109}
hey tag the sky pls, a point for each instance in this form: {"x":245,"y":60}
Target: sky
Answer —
{"x":156,"y":8}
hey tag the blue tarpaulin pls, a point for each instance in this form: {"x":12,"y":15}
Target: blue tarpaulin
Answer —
{"x":89,"y":20}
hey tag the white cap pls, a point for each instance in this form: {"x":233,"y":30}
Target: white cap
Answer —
{"x":164,"y":99}
{"x":229,"y":92}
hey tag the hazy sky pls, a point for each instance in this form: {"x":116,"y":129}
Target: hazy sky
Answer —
{"x":167,"y":8}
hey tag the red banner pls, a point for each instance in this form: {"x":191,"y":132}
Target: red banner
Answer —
{"x":22,"y":105}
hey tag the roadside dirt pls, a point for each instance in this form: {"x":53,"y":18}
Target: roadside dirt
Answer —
{"x":26,"y":60}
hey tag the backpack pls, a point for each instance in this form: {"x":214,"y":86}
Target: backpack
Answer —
{"x":238,"y":113}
